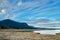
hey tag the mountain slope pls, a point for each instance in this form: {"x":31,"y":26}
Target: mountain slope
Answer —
{"x":13,"y":24}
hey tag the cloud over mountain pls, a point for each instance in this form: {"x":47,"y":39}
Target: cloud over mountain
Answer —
{"x":24,"y":10}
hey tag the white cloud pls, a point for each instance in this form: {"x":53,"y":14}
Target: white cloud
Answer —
{"x":12,"y":16}
{"x":19,"y":3}
{"x":25,"y":6}
{"x":58,"y":19}
{"x":30,"y":5}
{"x":44,"y":23}
{"x":38,"y":22}
{"x":45,"y":7}
{"x":9,"y":16}
{"x":2,"y":12}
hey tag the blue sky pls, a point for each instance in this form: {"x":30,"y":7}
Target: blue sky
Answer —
{"x":30,"y":10}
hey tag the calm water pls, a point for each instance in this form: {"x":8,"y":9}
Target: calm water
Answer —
{"x":48,"y":31}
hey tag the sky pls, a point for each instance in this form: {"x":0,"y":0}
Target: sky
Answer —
{"x":30,"y":11}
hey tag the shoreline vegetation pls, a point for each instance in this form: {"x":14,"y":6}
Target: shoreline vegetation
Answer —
{"x":17,"y":34}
